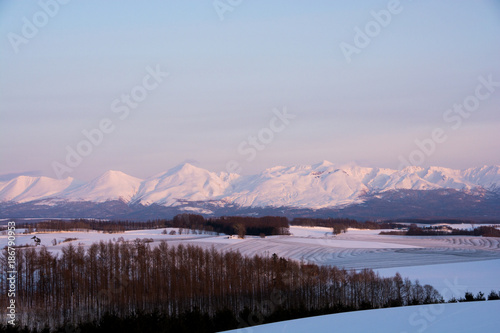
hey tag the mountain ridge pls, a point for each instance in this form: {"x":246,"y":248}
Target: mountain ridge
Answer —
{"x":316,"y":186}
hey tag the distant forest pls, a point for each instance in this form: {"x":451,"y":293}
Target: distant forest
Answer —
{"x":414,"y":230}
{"x":183,"y":286}
{"x":235,"y":225}
{"x":340,"y":225}
{"x":255,"y":226}
{"x":443,"y":221}
{"x":231,"y":225}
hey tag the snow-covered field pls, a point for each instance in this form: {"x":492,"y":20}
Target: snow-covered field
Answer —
{"x":469,"y":317}
{"x":84,"y":238}
{"x":450,"y":263}
{"x":453,"y":280}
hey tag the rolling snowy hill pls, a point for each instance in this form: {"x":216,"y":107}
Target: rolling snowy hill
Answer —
{"x":470,"y":317}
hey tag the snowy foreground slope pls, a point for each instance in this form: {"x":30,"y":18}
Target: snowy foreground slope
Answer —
{"x":471,"y":317}
{"x":310,"y":186}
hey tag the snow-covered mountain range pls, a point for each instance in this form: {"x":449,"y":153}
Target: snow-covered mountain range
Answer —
{"x":322,"y":185}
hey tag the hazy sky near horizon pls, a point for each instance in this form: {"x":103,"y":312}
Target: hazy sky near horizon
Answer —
{"x":86,"y":66}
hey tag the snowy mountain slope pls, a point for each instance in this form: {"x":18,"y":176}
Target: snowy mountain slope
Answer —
{"x":432,"y":178}
{"x":184,"y":182}
{"x":487,"y":177}
{"x":308,"y":186}
{"x":26,"y":188}
{"x":327,"y":185}
{"x":112,"y":185}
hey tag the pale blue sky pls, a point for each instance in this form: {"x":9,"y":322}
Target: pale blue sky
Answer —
{"x":226,"y":76}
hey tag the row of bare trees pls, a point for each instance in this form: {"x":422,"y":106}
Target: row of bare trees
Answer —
{"x":82,"y":284}
{"x":92,"y":224}
{"x":239,"y":225}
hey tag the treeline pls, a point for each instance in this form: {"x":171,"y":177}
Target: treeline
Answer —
{"x":231,"y":225}
{"x":234,"y":225}
{"x":123,"y":279}
{"x":470,"y":297}
{"x":191,"y":321}
{"x":340,"y":225}
{"x":91,"y":224}
{"x":414,"y":230}
{"x":443,"y":221}
{"x":241,"y":226}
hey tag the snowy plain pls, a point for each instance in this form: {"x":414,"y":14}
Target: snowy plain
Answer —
{"x":470,"y":317}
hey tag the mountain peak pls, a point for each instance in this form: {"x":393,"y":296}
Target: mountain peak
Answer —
{"x":113,"y":173}
{"x":184,"y":168}
{"x":111,"y":185}
{"x":187,"y":166}
{"x":411,"y":169}
{"x":116,"y":177}
{"x":323,"y":164}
